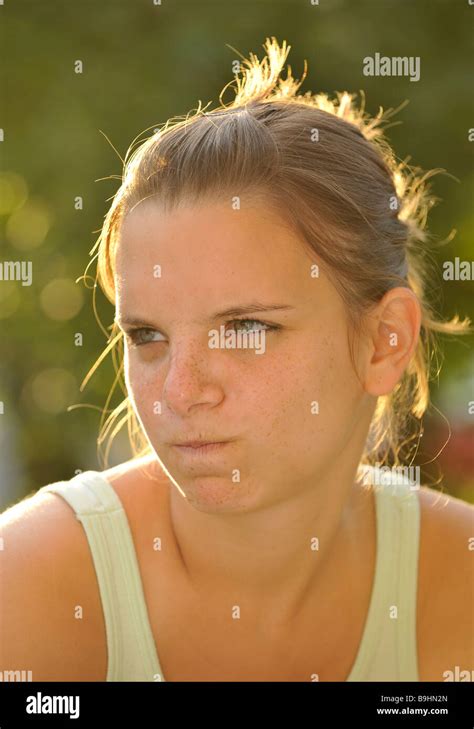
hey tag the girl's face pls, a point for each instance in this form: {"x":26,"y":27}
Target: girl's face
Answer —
{"x":290,"y":412}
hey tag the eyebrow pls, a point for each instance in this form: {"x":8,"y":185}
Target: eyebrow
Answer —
{"x":250,"y":308}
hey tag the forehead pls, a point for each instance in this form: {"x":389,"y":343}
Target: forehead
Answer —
{"x":206,"y":225}
{"x":209,"y":251}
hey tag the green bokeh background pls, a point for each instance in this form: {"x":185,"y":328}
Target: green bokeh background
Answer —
{"x":144,"y":63}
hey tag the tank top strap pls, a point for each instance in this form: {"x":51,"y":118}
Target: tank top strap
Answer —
{"x":87,"y":494}
{"x":388,"y":650}
{"x":128,"y":631}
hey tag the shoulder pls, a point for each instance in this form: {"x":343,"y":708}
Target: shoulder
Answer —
{"x":136,"y":481}
{"x":142,"y":487}
{"x":52,"y":619}
{"x":51,"y":614}
{"x":446,"y":537}
{"x":446,"y":595}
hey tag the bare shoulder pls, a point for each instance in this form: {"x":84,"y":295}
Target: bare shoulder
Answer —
{"x":143,"y":489}
{"x":52,"y":618}
{"x":51,"y":612}
{"x":446,"y":586}
{"x":136,"y":480}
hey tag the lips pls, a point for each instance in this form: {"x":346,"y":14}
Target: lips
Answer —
{"x":201,"y":448}
{"x":197,"y":443}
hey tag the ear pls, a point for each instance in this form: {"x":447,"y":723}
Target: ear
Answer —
{"x":393,"y":331}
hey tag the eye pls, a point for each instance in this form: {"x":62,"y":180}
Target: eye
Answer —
{"x":142,"y":335}
{"x":261,"y":324}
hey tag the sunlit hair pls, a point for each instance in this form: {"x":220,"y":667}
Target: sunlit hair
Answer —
{"x":326,"y":166}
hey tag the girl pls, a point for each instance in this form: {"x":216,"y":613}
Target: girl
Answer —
{"x":265,"y":262}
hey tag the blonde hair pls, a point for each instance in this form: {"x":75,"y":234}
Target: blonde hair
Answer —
{"x":326,"y":165}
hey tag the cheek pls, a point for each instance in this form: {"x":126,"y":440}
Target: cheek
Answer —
{"x":336,"y":389}
{"x":310,"y":398}
{"x":143,"y":388}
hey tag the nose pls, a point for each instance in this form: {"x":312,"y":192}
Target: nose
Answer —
{"x":192,"y":379}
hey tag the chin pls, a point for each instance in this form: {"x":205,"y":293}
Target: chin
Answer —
{"x":216,"y":495}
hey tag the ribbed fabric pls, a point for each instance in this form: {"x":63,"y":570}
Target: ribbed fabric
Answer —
{"x":388,"y":648}
{"x":130,"y":645}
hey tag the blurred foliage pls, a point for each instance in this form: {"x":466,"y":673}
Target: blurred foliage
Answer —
{"x":144,"y":63}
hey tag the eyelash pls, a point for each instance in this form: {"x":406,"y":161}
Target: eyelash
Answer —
{"x":133,"y":334}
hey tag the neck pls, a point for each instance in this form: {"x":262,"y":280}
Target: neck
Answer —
{"x":270,"y":557}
